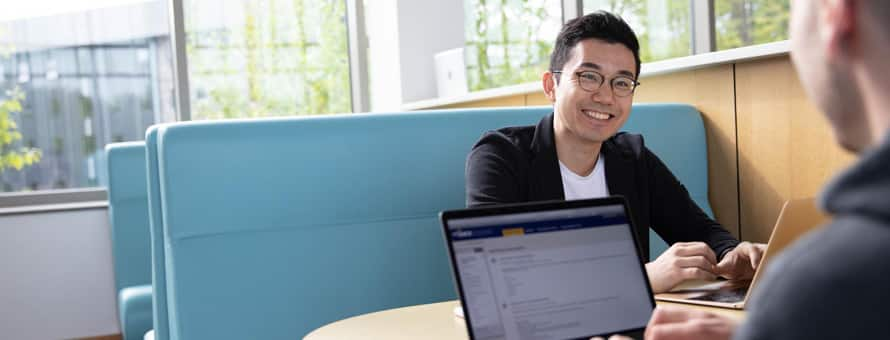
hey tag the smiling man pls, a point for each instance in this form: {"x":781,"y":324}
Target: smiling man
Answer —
{"x":577,"y":153}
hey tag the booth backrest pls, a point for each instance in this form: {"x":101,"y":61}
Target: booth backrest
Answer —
{"x":128,"y":212}
{"x":676,"y":134}
{"x":275,"y":227}
{"x":158,"y":262}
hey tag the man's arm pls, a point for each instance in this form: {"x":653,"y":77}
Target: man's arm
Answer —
{"x":492,"y":172}
{"x":675,"y":216}
{"x":831,"y":284}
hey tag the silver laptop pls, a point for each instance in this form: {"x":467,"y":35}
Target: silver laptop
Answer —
{"x":550,"y":270}
{"x":798,"y":217}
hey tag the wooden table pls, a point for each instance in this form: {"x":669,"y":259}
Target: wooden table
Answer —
{"x":435,"y":321}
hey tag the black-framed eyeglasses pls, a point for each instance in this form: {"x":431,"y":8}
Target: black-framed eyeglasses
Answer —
{"x":590,"y":81}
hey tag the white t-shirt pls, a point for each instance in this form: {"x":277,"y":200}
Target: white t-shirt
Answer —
{"x":580,"y":187}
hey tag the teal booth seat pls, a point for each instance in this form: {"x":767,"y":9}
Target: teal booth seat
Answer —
{"x":274,"y":227}
{"x":676,"y":134}
{"x":128,"y":212}
{"x":158,"y":258}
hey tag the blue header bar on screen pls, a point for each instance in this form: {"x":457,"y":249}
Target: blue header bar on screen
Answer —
{"x":533,"y":227}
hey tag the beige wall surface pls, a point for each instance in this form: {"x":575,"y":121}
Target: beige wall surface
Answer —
{"x":710,"y":91}
{"x":518,"y":100}
{"x":767,"y":143}
{"x":786,"y":147}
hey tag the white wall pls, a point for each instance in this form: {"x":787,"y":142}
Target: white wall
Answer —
{"x":56,"y":276}
{"x":382,"y":30}
{"x":426,"y":27}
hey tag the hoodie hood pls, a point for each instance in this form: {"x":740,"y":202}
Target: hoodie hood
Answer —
{"x":864,"y":188}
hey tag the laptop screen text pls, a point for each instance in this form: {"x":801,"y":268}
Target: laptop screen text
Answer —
{"x":567,"y":274}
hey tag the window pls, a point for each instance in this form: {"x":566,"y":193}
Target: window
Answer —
{"x":662,"y":27}
{"x":82,"y":76}
{"x":74,"y":81}
{"x":509,"y":41}
{"x":740,"y":23}
{"x":255,"y":58}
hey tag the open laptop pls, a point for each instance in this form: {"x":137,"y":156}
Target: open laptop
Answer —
{"x":550,"y":270}
{"x":796,"y":219}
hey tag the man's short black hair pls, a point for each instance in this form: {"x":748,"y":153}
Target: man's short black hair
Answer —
{"x":600,"y":25}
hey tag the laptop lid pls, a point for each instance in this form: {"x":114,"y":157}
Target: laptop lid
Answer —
{"x":550,"y":270}
{"x":797,"y":217}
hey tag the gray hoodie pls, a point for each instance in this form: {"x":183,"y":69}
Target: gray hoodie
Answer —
{"x":834,"y":283}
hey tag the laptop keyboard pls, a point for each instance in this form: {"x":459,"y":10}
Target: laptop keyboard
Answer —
{"x":724,"y":295}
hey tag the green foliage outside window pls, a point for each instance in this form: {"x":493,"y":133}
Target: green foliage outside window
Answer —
{"x":664,"y":31}
{"x":508,"y":41}
{"x":738,"y":23}
{"x":741,"y":23}
{"x":283,"y":57}
{"x":13,"y":156}
{"x":528,"y":38}
{"x":86,"y":106}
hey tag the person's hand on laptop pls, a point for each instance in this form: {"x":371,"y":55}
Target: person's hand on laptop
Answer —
{"x":669,"y":323}
{"x":682,"y":261}
{"x":614,"y":337}
{"x":673,"y":323}
{"x":741,"y":262}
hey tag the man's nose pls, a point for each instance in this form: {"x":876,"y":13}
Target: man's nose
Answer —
{"x":604,"y":95}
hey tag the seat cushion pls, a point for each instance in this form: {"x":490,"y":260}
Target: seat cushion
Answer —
{"x":135,"y":311}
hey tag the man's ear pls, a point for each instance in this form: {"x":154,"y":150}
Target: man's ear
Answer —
{"x":549,"y":86}
{"x":839,"y":27}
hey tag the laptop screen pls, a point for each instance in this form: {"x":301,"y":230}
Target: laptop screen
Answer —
{"x":556,"y":271}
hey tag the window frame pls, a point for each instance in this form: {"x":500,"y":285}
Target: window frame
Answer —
{"x":703,"y":45}
{"x":50,"y":200}
{"x":40,"y":200}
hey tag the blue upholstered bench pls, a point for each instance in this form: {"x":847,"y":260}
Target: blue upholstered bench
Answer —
{"x":161,"y":330}
{"x":128,"y":212}
{"x":676,"y":134}
{"x":271,"y":228}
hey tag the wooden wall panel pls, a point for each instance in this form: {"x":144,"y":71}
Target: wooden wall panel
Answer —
{"x":517,"y":100}
{"x":531,"y":99}
{"x":537,"y":99}
{"x":711,"y":91}
{"x":786,"y":147}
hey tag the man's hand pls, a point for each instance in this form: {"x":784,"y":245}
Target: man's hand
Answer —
{"x":614,"y":337}
{"x":741,"y":262}
{"x":682,"y":261}
{"x":673,"y":323}
{"x":683,"y":323}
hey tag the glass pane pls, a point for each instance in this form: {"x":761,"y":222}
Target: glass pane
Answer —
{"x":63,"y":62}
{"x":256,"y":58}
{"x":663,"y":27}
{"x":509,"y":41}
{"x":741,"y":23}
{"x":75,"y":81}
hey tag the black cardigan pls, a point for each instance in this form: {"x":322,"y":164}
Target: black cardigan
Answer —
{"x":519,"y":164}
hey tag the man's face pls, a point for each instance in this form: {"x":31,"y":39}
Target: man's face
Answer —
{"x":825,"y":76}
{"x":591,"y":117}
